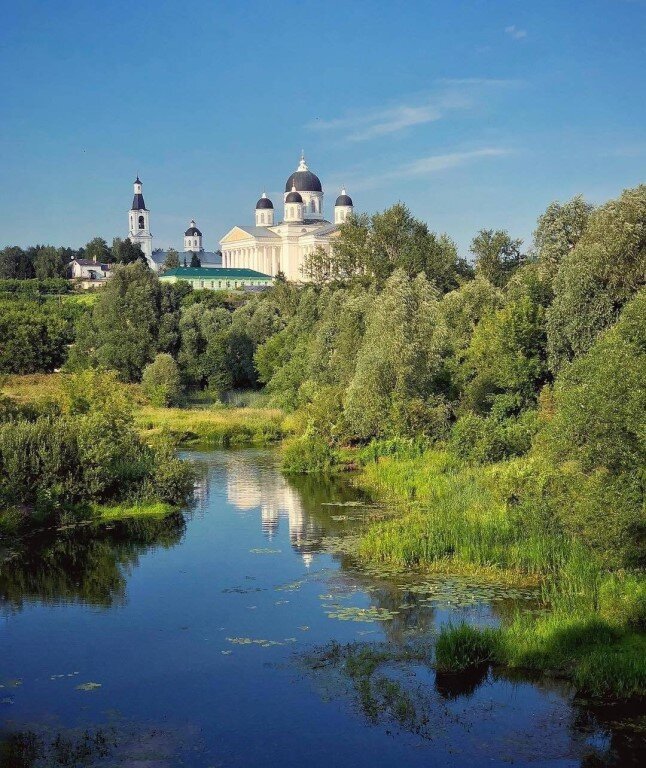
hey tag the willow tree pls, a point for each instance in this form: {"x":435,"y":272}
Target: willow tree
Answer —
{"x":399,"y":361}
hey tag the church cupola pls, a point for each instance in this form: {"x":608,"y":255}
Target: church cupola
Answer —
{"x":139,"y":222}
{"x":264,"y":212}
{"x":343,"y":208}
{"x":293,"y":206}
{"x":309,"y":186}
{"x":193,"y":238}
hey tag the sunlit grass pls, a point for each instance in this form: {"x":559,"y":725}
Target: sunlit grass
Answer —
{"x":219,"y":427}
{"x":106,"y":513}
{"x":454,"y":522}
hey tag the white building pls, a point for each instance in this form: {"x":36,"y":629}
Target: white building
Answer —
{"x":139,"y":223}
{"x":271,"y":247}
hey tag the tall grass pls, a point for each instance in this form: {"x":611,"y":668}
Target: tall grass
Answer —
{"x":455,"y":521}
{"x":216,"y":427}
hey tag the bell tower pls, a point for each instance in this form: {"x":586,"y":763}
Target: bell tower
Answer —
{"x":139,"y":222}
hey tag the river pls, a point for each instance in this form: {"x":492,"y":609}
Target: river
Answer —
{"x":208,"y":639}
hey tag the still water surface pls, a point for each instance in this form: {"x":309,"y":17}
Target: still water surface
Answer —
{"x":189,"y":641}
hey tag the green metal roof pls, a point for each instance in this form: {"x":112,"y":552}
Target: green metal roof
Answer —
{"x":215,"y":273}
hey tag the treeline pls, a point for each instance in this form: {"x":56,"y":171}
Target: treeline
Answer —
{"x":45,"y":262}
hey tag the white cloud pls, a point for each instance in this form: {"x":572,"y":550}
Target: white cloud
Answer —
{"x":429,"y":165}
{"x":516,"y":33}
{"x":454,"y":95}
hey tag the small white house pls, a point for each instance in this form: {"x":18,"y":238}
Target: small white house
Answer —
{"x":88,"y":270}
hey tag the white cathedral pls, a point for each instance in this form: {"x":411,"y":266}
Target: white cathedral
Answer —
{"x":267,"y":247}
{"x":270,"y":247}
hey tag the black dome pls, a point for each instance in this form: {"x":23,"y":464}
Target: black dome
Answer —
{"x":293,"y":197}
{"x":192,"y":231}
{"x":264,"y":202}
{"x":304,"y":181}
{"x":344,"y":200}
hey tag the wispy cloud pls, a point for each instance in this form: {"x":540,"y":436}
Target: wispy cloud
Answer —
{"x":429,"y":165}
{"x":514,"y":32}
{"x":453,"y":95}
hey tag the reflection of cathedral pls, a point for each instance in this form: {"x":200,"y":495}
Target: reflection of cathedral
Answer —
{"x":252,"y":487}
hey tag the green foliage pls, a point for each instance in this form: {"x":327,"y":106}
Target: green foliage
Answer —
{"x":481,"y":440}
{"x":161,"y":381}
{"x":497,"y":256}
{"x":598,"y":276}
{"x":127,"y":252}
{"x":377,"y":246}
{"x":308,"y":454}
{"x":558,"y":230}
{"x":195,"y":260}
{"x":98,"y":250}
{"x":462,"y":647}
{"x":91,"y":453}
{"x":172,"y":259}
{"x":122,"y":334}
{"x":35,"y":332}
{"x":398,"y":362}
{"x":506,"y":356}
{"x":36,"y":287}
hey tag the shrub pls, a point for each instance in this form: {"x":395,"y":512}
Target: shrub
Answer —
{"x":161,"y":381}
{"x":464,"y":647}
{"x":309,"y":454}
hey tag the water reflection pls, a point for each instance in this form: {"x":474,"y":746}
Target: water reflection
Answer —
{"x":86,"y":564}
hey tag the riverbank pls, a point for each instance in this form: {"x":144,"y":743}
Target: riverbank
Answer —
{"x":456,"y":519}
{"x":200,"y":422}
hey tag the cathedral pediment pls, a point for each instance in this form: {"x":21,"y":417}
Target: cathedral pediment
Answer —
{"x":236,"y":234}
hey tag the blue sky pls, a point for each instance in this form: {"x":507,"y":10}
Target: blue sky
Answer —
{"x":475,"y":114}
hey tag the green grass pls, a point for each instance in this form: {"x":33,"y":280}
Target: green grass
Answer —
{"x":212,"y":427}
{"x":463,"y":647}
{"x":454,"y":522}
{"x":106,"y":513}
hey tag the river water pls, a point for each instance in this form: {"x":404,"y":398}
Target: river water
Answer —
{"x":207,"y":639}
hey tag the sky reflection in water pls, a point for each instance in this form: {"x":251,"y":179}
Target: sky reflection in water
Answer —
{"x":190,"y":632}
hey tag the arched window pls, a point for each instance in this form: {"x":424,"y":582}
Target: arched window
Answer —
{"x":141,"y":222}
{"x":313,"y":204}
{"x":195,"y":242}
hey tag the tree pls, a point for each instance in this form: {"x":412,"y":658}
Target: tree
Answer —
{"x":160,"y":381}
{"x":506,"y":357}
{"x":558,"y":230}
{"x":125,"y":322}
{"x":195,"y":260}
{"x":98,"y":250}
{"x":49,"y":262}
{"x":15,"y":264}
{"x":172,"y":259}
{"x":127,"y":252}
{"x":497,"y":255}
{"x":374,"y":247}
{"x":398,"y":361}
{"x":606,"y":267}
{"x":594,"y":437}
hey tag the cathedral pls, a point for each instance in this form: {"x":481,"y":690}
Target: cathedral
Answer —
{"x":271,"y":247}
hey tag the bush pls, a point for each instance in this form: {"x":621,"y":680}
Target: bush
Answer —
{"x":480,"y":440}
{"x":464,"y":647}
{"x":161,"y":381}
{"x":309,"y":454}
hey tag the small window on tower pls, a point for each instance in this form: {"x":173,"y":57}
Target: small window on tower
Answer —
{"x":141,"y":222}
